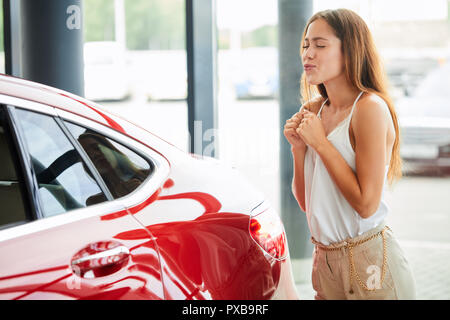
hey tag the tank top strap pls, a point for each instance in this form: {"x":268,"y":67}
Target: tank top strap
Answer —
{"x":354,"y":104}
{"x":320,"y":110}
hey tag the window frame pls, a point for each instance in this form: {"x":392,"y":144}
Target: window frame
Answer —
{"x":116,"y":137}
{"x":29,"y":173}
{"x":26,"y":155}
{"x":161,"y":166}
{"x":13,"y":143}
{"x":138,"y":197}
{"x":98,"y":178}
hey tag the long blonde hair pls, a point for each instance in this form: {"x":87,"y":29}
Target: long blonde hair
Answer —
{"x":363,"y":68}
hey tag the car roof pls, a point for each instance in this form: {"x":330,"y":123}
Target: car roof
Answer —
{"x":63,"y":100}
{"x":33,"y":91}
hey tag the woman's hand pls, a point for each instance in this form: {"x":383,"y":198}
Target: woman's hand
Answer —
{"x":311,"y":130}
{"x":290,"y":131}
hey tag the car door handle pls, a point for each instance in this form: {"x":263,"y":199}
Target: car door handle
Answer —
{"x":100,"y":259}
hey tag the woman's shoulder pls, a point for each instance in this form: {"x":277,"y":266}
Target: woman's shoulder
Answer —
{"x":370,"y":103}
{"x":370,"y":108}
{"x":314,"y":104}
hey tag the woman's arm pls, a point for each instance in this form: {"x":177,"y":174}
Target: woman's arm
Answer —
{"x":298,"y":179}
{"x":362,"y":190}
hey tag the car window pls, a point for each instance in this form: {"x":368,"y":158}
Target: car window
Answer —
{"x":64,"y":181}
{"x":11,"y":186}
{"x":122,"y":169}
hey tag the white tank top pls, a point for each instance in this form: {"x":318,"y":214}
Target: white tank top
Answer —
{"x":330,"y":217}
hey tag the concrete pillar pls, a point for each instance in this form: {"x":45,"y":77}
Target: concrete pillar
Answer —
{"x":51,"y":39}
{"x":292,"y":18}
{"x":201,"y":46}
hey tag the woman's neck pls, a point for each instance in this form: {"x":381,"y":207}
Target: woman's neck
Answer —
{"x":341,"y":94}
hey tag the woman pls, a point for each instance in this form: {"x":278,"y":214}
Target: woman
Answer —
{"x":345,"y":146}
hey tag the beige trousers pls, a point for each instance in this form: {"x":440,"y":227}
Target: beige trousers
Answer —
{"x":331,"y":269}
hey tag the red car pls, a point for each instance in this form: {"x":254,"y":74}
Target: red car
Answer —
{"x":95,"y":207}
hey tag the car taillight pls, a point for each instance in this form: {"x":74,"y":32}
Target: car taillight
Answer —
{"x":267,"y":229}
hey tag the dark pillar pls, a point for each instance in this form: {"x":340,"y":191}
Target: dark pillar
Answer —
{"x":292,"y":18}
{"x":12,"y":37}
{"x":52,"y":43}
{"x":201,"y":47}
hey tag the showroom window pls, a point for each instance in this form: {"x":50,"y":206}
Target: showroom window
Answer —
{"x":64,"y":181}
{"x":122,"y":169}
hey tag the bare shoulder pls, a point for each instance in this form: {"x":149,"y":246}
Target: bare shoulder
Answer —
{"x":369,"y":108}
{"x":314,"y":104}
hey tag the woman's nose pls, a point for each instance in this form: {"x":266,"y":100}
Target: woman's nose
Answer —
{"x":308,"y":53}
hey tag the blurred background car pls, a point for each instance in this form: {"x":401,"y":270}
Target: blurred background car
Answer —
{"x":424,"y":118}
{"x":256,"y":73}
{"x":406,"y":73}
{"x":105,"y":75}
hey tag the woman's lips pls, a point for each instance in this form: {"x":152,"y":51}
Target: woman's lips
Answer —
{"x":308,"y":68}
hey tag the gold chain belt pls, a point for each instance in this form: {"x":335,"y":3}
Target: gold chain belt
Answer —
{"x":350,"y":245}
